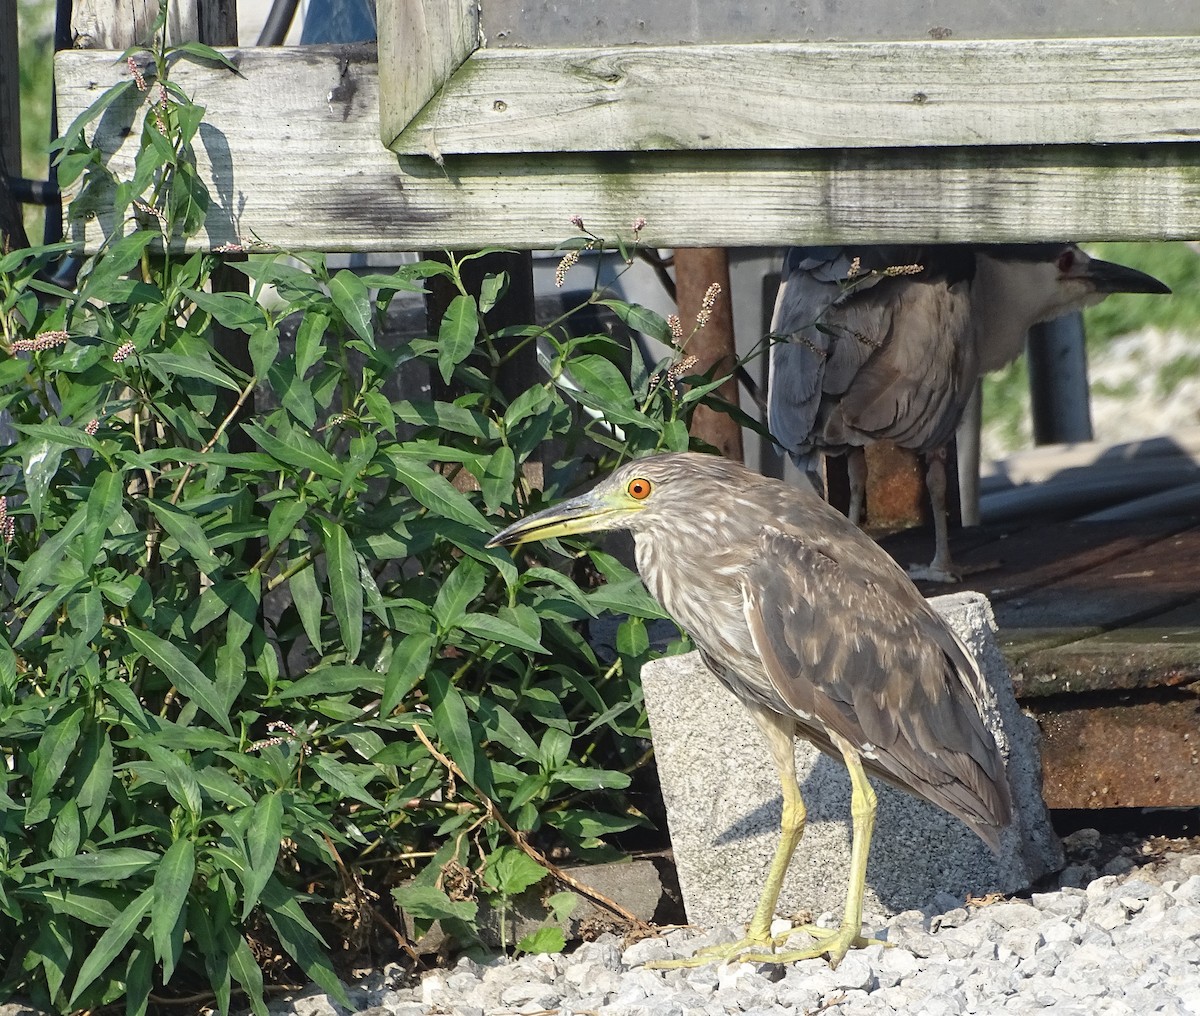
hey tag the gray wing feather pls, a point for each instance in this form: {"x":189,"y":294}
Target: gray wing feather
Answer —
{"x":871,"y":662}
{"x":886,"y":358}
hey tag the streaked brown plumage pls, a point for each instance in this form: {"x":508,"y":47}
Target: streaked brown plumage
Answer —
{"x":810,"y":624}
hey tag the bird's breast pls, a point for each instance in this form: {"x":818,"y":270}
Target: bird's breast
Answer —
{"x":702,"y":591}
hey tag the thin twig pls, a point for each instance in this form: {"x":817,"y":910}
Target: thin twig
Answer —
{"x":520,"y":840}
{"x":208,"y":447}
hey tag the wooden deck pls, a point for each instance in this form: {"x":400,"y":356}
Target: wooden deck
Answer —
{"x":1100,"y":623}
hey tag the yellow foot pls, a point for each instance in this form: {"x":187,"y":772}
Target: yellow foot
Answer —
{"x":831,"y":942}
{"x":834,"y":942}
{"x":723,"y":952}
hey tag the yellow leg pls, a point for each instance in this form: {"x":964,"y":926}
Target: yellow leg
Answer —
{"x":837,"y":943}
{"x":758,"y":944}
{"x":780,"y":734}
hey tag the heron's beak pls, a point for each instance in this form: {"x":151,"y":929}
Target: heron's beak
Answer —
{"x":584,"y":514}
{"x":1107,"y":277}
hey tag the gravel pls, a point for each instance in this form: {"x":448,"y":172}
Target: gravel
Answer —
{"x":1126,"y":942}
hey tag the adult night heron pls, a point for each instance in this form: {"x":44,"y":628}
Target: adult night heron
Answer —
{"x":819,"y":633}
{"x":887,"y":343}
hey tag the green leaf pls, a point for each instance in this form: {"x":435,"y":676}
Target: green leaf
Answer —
{"x":54,"y":433}
{"x":408,"y":665}
{"x":353,"y":301}
{"x":185,"y":531}
{"x":335,"y":680}
{"x":237,"y":311}
{"x":603,"y":387}
{"x":113,"y":941}
{"x":284,"y":517}
{"x":103,"y":507}
{"x":296,"y":449}
{"x":493,"y":629}
{"x":345,"y":586}
{"x":206,"y":53}
{"x":96,"y":907}
{"x":453,"y":729}
{"x":302,"y":941}
{"x":310,"y":341}
{"x":498,"y":478}
{"x":511,"y":871}
{"x":436,"y":493}
{"x":427,"y":903}
{"x":640,"y":319}
{"x":53,"y":753}
{"x":39,"y":464}
{"x":248,"y":973}
{"x":457,"y":593}
{"x":562,"y":904}
{"x":309,"y":601}
{"x":627,"y":597}
{"x":263,"y":838}
{"x":115,"y":864}
{"x":343,"y":779}
{"x":172,"y":883}
{"x":198,"y":367}
{"x":456,"y":336}
{"x":492,"y":291}
{"x":592,"y":779}
{"x":181,"y":672}
{"x":544,"y":940}
{"x":632,"y":637}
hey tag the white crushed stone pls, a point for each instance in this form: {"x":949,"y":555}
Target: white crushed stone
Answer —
{"x":1124,"y":944}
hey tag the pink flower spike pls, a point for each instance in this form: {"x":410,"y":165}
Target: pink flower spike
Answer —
{"x":577,"y":221}
{"x":136,"y":71}
{"x":123,"y":353}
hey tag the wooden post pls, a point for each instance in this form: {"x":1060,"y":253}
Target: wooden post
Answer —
{"x":12,"y":229}
{"x":696,"y":269}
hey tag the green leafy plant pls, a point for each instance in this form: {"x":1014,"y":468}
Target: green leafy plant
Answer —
{"x":257,"y":664}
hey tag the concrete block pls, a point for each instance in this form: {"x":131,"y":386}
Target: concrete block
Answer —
{"x":723,"y":802}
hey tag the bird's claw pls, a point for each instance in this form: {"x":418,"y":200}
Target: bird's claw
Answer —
{"x":831,"y":942}
{"x":933,"y":573}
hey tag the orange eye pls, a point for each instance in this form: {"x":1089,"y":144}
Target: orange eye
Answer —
{"x":639,"y":489}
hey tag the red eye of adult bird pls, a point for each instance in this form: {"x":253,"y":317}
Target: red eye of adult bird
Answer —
{"x":639,"y":489}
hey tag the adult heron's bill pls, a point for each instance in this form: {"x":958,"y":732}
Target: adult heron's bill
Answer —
{"x":819,"y":633}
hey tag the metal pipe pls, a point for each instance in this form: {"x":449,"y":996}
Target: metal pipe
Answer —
{"x":1058,"y":383}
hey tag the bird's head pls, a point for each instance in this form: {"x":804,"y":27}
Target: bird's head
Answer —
{"x":636,"y":496}
{"x":1055,"y":279}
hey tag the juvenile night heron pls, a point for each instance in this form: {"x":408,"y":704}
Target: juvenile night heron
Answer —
{"x":819,"y":633}
{"x":887,"y":343}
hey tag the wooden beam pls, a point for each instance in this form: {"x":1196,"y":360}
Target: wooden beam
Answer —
{"x":421,"y":45}
{"x":117,"y":24}
{"x":802,"y":95}
{"x":291,"y":152}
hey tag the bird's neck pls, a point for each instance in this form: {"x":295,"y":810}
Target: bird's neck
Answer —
{"x":1008,"y":314}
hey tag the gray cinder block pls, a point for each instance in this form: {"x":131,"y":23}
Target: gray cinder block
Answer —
{"x":723,"y":802}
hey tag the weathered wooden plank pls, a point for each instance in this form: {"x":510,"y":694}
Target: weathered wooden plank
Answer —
{"x":116,"y":24}
{"x":292,"y":153}
{"x":839,"y":95}
{"x":528,"y":23}
{"x":421,"y":44}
